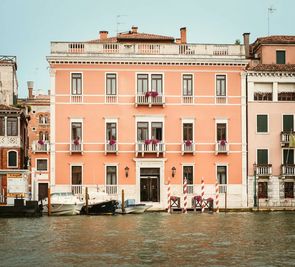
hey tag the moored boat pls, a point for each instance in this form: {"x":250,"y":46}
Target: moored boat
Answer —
{"x":63,"y":203}
{"x":131,"y":207}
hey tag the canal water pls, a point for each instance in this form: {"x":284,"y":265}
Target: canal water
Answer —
{"x":156,"y":239}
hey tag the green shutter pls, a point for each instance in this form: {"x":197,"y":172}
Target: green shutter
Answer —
{"x":262,"y":156}
{"x":262,"y":124}
{"x":288,"y":157}
{"x":288,"y":123}
{"x":281,"y":57}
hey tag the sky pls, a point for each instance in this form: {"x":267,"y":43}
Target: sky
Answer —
{"x":28,"y":26}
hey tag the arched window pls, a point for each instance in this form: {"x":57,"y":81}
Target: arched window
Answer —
{"x":41,"y":119}
{"x":41,"y":136}
{"x":12,"y":158}
{"x":46,"y":119}
{"x":46,"y":136}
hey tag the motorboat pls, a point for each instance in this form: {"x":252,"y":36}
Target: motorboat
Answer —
{"x":99,"y":203}
{"x":63,"y":203}
{"x":131,"y":207}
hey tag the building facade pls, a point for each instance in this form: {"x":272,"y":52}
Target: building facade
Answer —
{"x":14,"y":175}
{"x":271,"y":106}
{"x":8,"y":80}
{"x":132,"y":111}
{"x":38,"y":106}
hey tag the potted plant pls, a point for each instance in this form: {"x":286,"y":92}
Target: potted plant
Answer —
{"x":154,"y":93}
{"x":147,"y":141}
{"x":148,"y":94}
{"x":41,"y":142}
{"x":112,"y":142}
{"x":188,"y":142}
{"x":77,"y":141}
{"x":222,"y":142}
{"x":155,"y":141}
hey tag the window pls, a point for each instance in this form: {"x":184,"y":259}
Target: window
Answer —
{"x":188,"y":173}
{"x":111,"y":175}
{"x":187,"y":85}
{"x":286,"y":96}
{"x":262,"y":189}
{"x":262,"y":124}
{"x":288,"y":123}
{"x":76,"y":83}
{"x":221,"y":85}
{"x":41,"y":119}
{"x":156,"y":80}
{"x":46,"y":136}
{"x":157,"y":130}
{"x":187,"y":131}
{"x":281,"y":57}
{"x":262,"y":156}
{"x":111,"y":131}
{"x":142,"y":83}
{"x":2,"y":126}
{"x":12,"y":127}
{"x":263,"y":96}
{"x":41,"y":136}
{"x":76,"y":175}
{"x":76,"y":130}
{"x":41,"y":164}
{"x":221,"y":131}
{"x":12,"y":159}
{"x":289,"y":189}
{"x":142,"y":131}
{"x":222,"y":174}
{"x":111,"y":84}
{"x":288,"y":156}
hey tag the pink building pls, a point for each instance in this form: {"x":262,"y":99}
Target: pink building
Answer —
{"x":271,"y":106}
{"x":130,"y":112}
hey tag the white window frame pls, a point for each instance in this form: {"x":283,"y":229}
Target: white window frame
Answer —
{"x":188,"y":165}
{"x":36,"y":164}
{"x":82,"y":83}
{"x":193,"y":84}
{"x":262,"y":148}
{"x":268,"y":131}
{"x":111,"y":120}
{"x":218,"y":121}
{"x":12,"y":150}
{"x":105,"y":172}
{"x":150,"y":80}
{"x":282,"y":157}
{"x":82,"y":125}
{"x":149,"y":120}
{"x":282,"y":124}
{"x":82,"y":170}
{"x":226,"y":87}
{"x":117,"y":89}
{"x":227,"y":172}
{"x":192,"y":121}
{"x":281,"y":50}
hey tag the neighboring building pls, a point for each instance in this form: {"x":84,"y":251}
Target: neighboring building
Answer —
{"x":8,"y":80}
{"x":271,"y":112}
{"x":39,"y":146}
{"x":14,"y":176}
{"x":128,"y":112}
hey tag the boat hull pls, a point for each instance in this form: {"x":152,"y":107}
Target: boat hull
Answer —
{"x":101,"y":208}
{"x":134,"y":209}
{"x":64,"y":209}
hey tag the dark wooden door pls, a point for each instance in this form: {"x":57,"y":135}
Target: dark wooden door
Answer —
{"x":42,"y":190}
{"x":149,"y":189}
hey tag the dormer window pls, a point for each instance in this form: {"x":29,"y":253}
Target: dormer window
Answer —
{"x":280,"y":57}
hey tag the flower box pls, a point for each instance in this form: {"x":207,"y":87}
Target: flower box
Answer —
{"x":147,"y":141}
{"x":222,"y":142}
{"x":112,"y":142}
{"x":155,"y":141}
{"x":41,"y":142}
{"x":188,"y":142}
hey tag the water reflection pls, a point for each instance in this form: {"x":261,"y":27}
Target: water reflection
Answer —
{"x":159,"y":239}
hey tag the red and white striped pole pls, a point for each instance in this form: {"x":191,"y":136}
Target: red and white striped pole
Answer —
{"x":217,"y":196}
{"x":185,"y":196}
{"x":203,"y":194}
{"x":169,"y":196}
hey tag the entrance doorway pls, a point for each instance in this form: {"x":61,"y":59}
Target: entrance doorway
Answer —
{"x":42,"y":190}
{"x":150,"y":184}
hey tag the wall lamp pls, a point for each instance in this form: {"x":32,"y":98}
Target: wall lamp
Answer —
{"x":173,"y":171}
{"x":126,"y":171}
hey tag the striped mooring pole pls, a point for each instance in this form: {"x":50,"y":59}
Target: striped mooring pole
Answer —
{"x":185,"y":196}
{"x":203,"y":194}
{"x":217,"y":196}
{"x":168,"y":197}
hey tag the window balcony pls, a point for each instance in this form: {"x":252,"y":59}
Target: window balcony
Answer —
{"x":220,"y":99}
{"x":10,"y":141}
{"x":76,"y":98}
{"x":145,"y":100}
{"x":285,"y":138}
{"x":288,"y":170}
{"x":188,"y":147}
{"x":77,"y":189}
{"x":76,"y":147}
{"x":110,"y":147}
{"x":110,"y":99}
{"x":143,"y":147}
{"x":187,"y":99}
{"x":40,"y":147}
{"x":264,"y":169}
{"x":111,"y":189}
{"x":221,"y":147}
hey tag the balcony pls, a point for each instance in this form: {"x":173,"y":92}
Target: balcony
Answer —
{"x":264,"y":169}
{"x":110,"y":147}
{"x":187,"y":99}
{"x":40,"y":147}
{"x":220,"y":100}
{"x":111,"y":99}
{"x":288,"y":170}
{"x":10,"y":141}
{"x":76,"y":98}
{"x":285,"y":138}
{"x":111,"y":189}
{"x":144,"y":147}
{"x":149,"y":100}
{"x":76,"y":147}
{"x":188,"y":147}
{"x":221,"y":147}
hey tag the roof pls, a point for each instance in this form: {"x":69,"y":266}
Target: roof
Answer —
{"x":273,"y":67}
{"x":273,"y":39}
{"x":5,"y":107}
{"x":135,"y":36}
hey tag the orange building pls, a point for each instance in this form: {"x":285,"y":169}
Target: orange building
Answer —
{"x":131,"y":111}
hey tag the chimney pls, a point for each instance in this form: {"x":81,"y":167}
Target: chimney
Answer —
{"x":103,"y":35}
{"x":246,"y":36}
{"x":183,"y":35}
{"x":134,"y":29}
{"x":30,"y":88}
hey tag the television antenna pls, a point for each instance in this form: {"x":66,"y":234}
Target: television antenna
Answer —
{"x":270,"y":10}
{"x":118,"y":22}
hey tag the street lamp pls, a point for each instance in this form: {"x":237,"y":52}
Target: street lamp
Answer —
{"x":255,"y":193}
